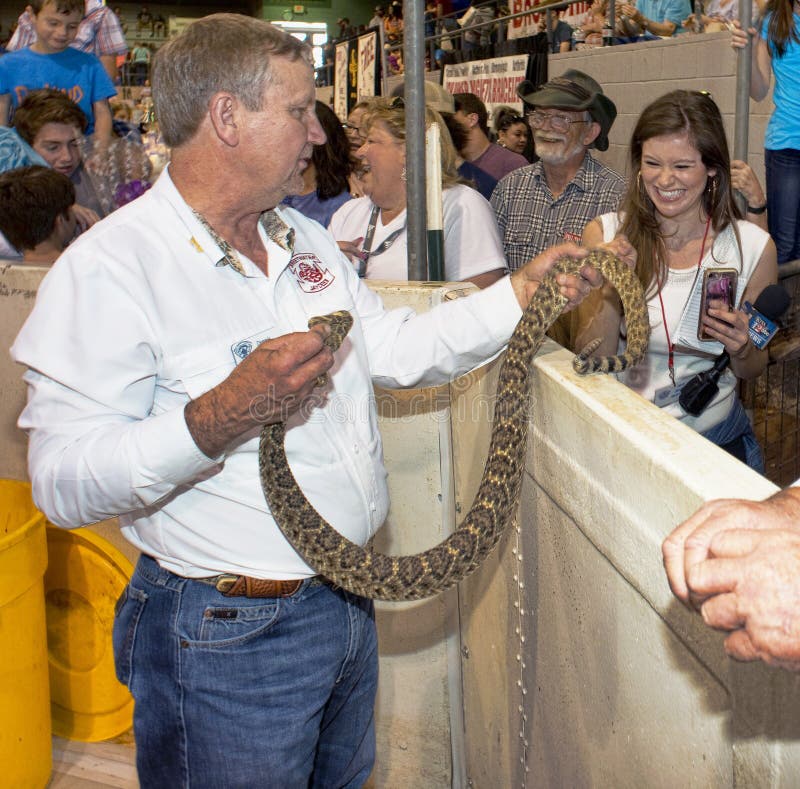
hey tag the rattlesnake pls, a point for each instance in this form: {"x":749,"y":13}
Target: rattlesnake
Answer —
{"x":376,"y":575}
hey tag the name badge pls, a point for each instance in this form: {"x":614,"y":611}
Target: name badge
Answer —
{"x":667,"y":395}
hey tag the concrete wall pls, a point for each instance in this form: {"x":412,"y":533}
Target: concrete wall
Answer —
{"x":635,"y":74}
{"x":579,"y":667}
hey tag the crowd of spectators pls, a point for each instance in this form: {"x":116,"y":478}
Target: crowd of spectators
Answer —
{"x":57,"y":94}
{"x":468,"y":27}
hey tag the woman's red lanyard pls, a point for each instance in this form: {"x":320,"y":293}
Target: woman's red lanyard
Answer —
{"x":671,"y":356}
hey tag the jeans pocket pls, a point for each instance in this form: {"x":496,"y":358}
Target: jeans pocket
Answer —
{"x":225,"y":626}
{"x":127,"y":613}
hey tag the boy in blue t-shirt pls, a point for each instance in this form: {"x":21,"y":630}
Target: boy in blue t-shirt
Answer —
{"x":50,"y":62}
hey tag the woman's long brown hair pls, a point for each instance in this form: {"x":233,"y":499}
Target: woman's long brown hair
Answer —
{"x":781,"y":27}
{"x":695,"y":113}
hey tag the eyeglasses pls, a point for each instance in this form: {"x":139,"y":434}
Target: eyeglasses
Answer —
{"x":559,"y":123}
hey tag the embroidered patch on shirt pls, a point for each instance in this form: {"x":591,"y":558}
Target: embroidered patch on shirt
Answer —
{"x":311,"y":275}
{"x":243,"y":348}
{"x":574,"y":237}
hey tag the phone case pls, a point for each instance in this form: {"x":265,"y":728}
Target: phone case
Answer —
{"x":718,"y":283}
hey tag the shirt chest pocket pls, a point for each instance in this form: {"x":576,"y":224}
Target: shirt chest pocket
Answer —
{"x":201,"y":368}
{"x":197,"y":371}
{"x":520,"y":233}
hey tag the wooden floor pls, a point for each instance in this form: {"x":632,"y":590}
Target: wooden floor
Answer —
{"x":91,"y":765}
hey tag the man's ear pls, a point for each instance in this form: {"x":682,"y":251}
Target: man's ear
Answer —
{"x":64,"y":228}
{"x":592,"y":133}
{"x":222,"y":109}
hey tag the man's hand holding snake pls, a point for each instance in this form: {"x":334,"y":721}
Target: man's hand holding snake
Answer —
{"x":526,"y":280}
{"x":264,"y":388}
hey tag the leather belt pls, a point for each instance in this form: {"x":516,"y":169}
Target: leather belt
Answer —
{"x":244,"y":586}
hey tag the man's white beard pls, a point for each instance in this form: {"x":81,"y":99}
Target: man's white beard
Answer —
{"x":560,"y":158}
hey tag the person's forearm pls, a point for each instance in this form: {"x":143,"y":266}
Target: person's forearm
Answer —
{"x":598,"y":317}
{"x":110,"y":65}
{"x":759,"y":218}
{"x":750,"y":362}
{"x":215,"y":419}
{"x":760,"y":68}
{"x":103,"y":124}
{"x":665,"y":28}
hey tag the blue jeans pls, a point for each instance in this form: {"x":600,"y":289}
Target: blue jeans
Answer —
{"x":237,"y":692}
{"x":782,"y":169}
{"x":736,"y":436}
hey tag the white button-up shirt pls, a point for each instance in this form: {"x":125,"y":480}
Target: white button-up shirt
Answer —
{"x":137,"y":317}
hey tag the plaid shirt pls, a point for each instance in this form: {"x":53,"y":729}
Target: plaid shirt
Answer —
{"x":530,"y":220}
{"x":100,"y":32}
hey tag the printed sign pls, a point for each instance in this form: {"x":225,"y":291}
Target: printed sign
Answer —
{"x":493,"y":81}
{"x":529,"y":25}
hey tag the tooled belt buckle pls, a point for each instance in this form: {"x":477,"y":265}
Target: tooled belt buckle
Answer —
{"x":225,"y":582}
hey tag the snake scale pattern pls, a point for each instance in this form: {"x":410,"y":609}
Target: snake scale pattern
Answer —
{"x":384,"y":577}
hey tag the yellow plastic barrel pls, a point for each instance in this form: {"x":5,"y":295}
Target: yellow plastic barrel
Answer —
{"x":26,"y":757}
{"x":85,"y":576}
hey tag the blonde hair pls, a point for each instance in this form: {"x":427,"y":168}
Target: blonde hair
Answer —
{"x":392,"y":114}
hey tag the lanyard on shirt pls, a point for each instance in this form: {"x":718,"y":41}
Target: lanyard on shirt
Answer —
{"x":671,"y":356}
{"x":366,"y":246}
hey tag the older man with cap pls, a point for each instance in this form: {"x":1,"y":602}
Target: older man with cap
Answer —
{"x":188,"y":331}
{"x":551,"y":201}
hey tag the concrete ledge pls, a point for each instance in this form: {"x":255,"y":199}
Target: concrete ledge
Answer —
{"x":601,"y":678}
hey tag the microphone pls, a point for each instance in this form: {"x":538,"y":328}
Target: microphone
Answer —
{"x":764,"y":314}
{"x":771,"y":303}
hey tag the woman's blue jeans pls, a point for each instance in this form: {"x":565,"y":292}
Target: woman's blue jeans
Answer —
{"x":236,"y":692}
{"x":783,"y":200}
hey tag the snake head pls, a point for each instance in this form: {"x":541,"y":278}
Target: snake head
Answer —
{"x":339,"y":323}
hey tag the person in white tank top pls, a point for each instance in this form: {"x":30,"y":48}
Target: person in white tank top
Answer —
{"x":678,"y":219}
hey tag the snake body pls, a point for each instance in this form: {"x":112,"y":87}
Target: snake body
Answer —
{"x":371,"y":574}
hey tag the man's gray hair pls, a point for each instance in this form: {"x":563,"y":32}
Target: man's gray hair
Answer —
{"x":220,"y":52}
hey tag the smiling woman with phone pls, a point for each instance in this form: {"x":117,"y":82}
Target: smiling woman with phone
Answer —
{"x":681,"y":221}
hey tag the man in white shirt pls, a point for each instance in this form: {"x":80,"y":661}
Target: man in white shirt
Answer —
{"x":186,"y":319}
{"x":738,"y":563}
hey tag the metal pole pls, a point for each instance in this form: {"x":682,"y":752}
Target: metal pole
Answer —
{"x":549,"y":28}
{"x":416,"y":206}
{"x":612,"y":18}
{"x":742,"y":118}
